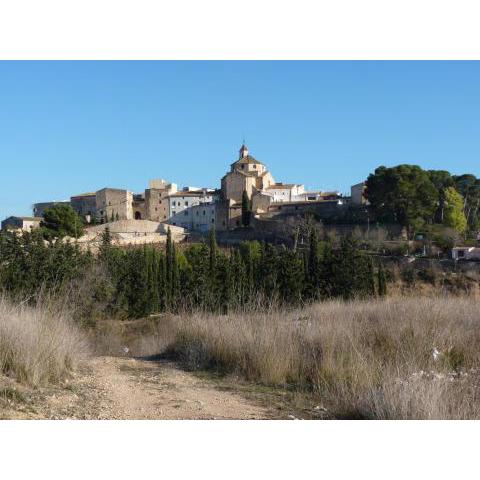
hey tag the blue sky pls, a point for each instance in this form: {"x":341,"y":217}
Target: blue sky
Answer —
{"x":71,"y":127}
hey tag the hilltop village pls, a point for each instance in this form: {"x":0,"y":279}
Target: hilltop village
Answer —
{"x":199,"y":209}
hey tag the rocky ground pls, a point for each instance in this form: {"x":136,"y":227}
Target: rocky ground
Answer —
{"x":130,"y":388}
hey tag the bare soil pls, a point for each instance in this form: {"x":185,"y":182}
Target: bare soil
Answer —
{"x":129,"y":388}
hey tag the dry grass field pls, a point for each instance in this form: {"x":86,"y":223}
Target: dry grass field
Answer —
{"x":397,"y":358}
{"x":403,"y":358}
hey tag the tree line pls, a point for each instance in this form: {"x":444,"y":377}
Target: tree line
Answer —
{"x":414,"y":197}
{"x":136,"y":282}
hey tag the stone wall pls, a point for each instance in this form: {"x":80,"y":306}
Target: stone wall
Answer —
{"x":114,"y":203}
{"x":156,"y":204}
{"x":84,"y":204}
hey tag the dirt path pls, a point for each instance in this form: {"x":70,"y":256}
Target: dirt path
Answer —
{"x":140,"y":389}
{"x":128,"y":388}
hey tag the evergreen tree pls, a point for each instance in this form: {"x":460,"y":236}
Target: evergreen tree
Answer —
{"x":246,"y":209}
{"x":175,"y":292}
{"x":313,"y":265}
{"x":454,"y":216}
{"x":382,"y":281}
{"x":290,"y":276}
{"x":169,"y":268}
{"x":106,"y":238}
{"x":370,"y":278}
{"x":212,"y":251}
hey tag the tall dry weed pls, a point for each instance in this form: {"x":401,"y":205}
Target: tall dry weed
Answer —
{"x":38,"y":344}
{"x":362,"y":359}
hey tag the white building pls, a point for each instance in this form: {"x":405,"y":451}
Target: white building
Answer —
{"x":180,"y":206}
{"x":203,"y":216}
{"x":466,"y":253}
{"x":25,"y":224}
{"x":284,"y":192}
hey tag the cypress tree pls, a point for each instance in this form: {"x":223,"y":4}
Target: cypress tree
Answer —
{"x":370,"y":278}
{"x":313,"y":264}
{"x":213,"y":251}
{"x":175,"y":292}
{"x":246,"y":209}
{"x":169,"y":268}
{"x":382,"y":281}
{"x":106,"y":237}
{"x":162,"y":282}
{"x":346,"y":272}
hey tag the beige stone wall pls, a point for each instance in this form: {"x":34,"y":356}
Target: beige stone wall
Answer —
{"x":266,"y":181}
{"x":136,"y":226}
{"x":357,"y":193}
{"x":156,"y":204}
{"x":261,"y":202}
{"x":139,"y":210}
{"x":221,"y":212}
{"x":19,"y":223}
{"x":234,"y":183}
{"x":114,"y":201}
{"x":235,"y":216}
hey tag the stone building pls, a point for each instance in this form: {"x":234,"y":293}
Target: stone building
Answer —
{"x":204,"y":216}
{"x":357,"y":193}
{"x":25,"y":224}
{"x":156,"y":200}
{"x":180,"y":205}
{"x":39,"y":208}
{"x":85,"y":205}
{"x":246,"y":174}
{"x":285,"y":192}
{"x":113,"y":204}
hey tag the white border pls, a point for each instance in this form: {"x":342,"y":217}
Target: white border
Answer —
{"x":238,"y":449}
{"x":248,"y":29}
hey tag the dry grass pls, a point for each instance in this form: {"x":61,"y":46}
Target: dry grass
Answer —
{"x":361,"y":359}
{"x":38,"y":345}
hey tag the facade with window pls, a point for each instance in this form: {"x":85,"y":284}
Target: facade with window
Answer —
{"x":181,"y":207}
{"x":466,"y":253}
